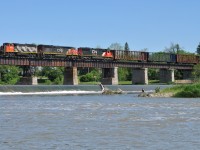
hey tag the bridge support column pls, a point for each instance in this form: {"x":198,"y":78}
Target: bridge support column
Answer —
{"x":28,"y":76}
{"x":110,"y":76}
{"x":167,"y":75}
{"x":140,"y":76}
{"x":28,"y":81}
{"x":70,"y":76}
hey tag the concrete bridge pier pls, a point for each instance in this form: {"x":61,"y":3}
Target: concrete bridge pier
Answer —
{"x":140,"y":76}
{"x":70,"y":76}
{"x":167,"y":75}
{"x":28,"y":77}
{"x":109,"y":76}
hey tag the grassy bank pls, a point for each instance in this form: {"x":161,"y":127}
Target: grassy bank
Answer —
{"x":187,"y":91}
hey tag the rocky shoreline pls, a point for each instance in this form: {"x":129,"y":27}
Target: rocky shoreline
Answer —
{"x":144,"y":94}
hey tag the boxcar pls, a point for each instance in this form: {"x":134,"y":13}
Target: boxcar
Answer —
{"x":130,"y":55}
{"x":51,"y":50}
{"x":187,"y":58}
{"x":162,"y":57}
{"x":96,"y":53}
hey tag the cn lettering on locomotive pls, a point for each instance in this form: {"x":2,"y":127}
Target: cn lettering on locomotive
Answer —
{"x":94,"y":52}
{"x":60,"y":50}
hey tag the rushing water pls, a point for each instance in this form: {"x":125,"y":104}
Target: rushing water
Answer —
{"x":87,"y":122}
{"x":72,"y":89}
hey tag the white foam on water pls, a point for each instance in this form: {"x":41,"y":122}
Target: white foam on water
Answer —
{"x":51,"y":93}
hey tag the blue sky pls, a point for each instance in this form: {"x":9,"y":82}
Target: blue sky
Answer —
{"x":151,"y":24}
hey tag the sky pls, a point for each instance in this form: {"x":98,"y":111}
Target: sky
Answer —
{"x":151,"y":24}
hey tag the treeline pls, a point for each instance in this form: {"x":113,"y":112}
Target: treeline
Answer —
{"x":54,"y":75}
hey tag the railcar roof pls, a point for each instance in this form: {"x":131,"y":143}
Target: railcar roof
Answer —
{"x":15,"y":44}
{"x":54,"y":46}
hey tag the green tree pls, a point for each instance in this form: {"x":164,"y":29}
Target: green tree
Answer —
{"x":9,"y":74}
{"x":92,"y":76}
{"x":126,"y":47}
{"x":153,"y":74}
{"x":176,"y":49}
{"x":115,"y":46}
{"x":54,"y":74}
{"x":122,"y":74}
{"x":128,"y":71}
{"x":196,"y":72}
{"x":198,"y":49}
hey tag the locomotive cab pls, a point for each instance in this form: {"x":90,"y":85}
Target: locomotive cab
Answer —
{"x":8,"y":48}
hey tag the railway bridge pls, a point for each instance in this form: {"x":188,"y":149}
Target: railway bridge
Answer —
{"x":109,"y":69}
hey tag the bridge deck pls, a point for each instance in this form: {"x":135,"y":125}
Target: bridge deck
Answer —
{"x":89,"y":63}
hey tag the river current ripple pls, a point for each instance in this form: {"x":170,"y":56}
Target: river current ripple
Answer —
{"x":92,"y":122}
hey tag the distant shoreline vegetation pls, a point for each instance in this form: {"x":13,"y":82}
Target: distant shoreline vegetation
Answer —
{"x":183,"y":91}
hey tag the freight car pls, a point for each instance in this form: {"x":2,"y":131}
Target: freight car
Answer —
{"x":130,"y":55}
{"x":187,"y":58}
{"x":161,"y":57}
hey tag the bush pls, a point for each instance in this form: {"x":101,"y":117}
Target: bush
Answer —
{"x":157,"y":89}
{"x":189,"y":91}
{"x":87,"y":78}
{"x":48,"y":82}
{"x":9,"y":74}
{"x":58,"y":81}
{"x":94,"y":75}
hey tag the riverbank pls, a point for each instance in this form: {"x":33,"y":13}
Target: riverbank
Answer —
{"x":182,"y":91}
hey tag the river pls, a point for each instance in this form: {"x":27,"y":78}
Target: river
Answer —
{"x":96,"y":122}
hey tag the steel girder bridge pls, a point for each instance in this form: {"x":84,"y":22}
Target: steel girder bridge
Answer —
{"x":55,"y":62}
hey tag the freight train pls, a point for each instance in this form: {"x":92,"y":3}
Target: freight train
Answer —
{"x":67,"y":52}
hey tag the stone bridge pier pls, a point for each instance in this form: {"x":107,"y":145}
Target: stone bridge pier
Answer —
{"x":166,"y":75}
{"x":109,"y":76}
{"x":140,"y":76}
{"x":28,"y":77}
{"x":70,"y":76}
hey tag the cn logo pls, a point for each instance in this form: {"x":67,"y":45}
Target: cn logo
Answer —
{"x":60,"y":50}
{"x":94,"y":52}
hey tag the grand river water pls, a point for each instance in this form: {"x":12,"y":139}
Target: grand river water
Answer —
{"x":94,"y":122}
